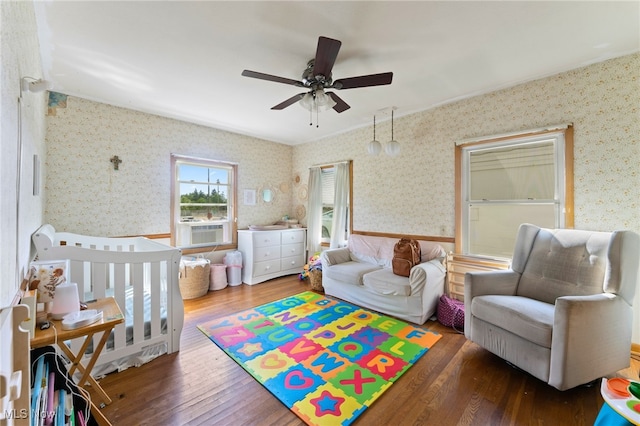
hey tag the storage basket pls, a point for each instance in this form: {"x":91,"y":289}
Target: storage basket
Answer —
{"x":194,"y":278}
{"x":315,"y":279}
{"x":218,"y":276}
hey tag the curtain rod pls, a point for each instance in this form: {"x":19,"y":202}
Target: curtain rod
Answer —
{"x":331,"y":164}
{"x":519,"y":133}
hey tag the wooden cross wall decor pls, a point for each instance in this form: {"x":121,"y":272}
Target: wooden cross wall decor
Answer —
{"x":116,"y":162}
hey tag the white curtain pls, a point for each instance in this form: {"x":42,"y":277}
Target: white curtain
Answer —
{"x":340,"y":206}
{"x":314,"y":210}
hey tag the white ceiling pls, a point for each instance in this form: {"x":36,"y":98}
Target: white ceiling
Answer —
{"x":183,"y":59}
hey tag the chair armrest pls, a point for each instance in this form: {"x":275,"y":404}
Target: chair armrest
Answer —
{"x":588,"y":329}
{"x":334,"y":256}
{"x":503,"y":282}
{"x":426,"y":274}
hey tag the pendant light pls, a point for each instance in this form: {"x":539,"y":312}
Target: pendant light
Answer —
{"x":392,"y":148}
{"x":374,"y":147}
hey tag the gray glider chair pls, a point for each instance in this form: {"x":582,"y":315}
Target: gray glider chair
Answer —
{"x":563,"y":311}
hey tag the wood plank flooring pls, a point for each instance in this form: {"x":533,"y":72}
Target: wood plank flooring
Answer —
{"x":455,"y":383}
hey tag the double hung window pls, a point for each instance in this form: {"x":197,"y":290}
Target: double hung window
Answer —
{"x":506,"y":181}
{"x":204,"y":205}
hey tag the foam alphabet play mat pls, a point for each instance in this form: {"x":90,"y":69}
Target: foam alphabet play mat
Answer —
{"x":325,"y":359}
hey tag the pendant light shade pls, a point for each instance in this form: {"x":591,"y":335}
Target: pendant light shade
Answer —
{"x":392,"y":148}
{"x":374,"y":147}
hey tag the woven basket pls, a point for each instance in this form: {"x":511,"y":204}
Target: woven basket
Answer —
{"x":194,"y":278}
{"x":315,"y":279}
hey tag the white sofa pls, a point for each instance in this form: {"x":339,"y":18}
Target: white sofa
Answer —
{"x":361,"y":274}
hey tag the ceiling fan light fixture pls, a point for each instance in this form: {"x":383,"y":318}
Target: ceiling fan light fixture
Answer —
{"x":307,"y":101}
{"x":317,"y":100}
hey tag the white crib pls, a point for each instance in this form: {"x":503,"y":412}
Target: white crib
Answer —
{"x":141,"y":274}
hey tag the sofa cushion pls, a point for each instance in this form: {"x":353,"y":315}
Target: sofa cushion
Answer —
{"x":430,"y":250}
{"x":384,"y":281}
{"x":379,"y":250}
{"x":371,"y":249}
{"x":529,"y":318}
{"x":349,"y":272}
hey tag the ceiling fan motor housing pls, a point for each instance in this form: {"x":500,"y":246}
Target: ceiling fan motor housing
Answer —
{"x":315,"y":82}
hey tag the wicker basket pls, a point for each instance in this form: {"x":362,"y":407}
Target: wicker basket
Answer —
{"x":194,"y":278}
{"x":315,"y":279}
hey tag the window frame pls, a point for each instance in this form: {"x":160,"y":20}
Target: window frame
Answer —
{"x":232,"y":200}
{"x":563,"y":162}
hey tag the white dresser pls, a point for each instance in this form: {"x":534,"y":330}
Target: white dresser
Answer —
{"x":271,"y":254}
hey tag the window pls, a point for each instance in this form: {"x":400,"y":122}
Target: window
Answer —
{"x":506,"y":181}
{"x":329,"y":208}
{"x":204,"y":206}
{"x":328,"y":176}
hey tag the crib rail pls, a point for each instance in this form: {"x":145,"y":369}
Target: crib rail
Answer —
{"x":139,"y":273}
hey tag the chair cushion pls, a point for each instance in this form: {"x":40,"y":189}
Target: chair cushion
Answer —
{"x":528,"y":318}
{"x":384,"y":281}
{"x":349,"y":272}
{"x":565,"y":263}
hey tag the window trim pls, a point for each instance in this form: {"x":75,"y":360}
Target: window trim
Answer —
{"x":568,"y":178}
{"x":233,"y":201}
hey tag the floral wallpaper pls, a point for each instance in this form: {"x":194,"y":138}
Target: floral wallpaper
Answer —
{"x":413,"y":193}
{"x":86,"y":195}
{"x":23,"y":137}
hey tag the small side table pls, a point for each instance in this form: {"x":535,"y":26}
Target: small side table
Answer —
{"x":111,"y":316}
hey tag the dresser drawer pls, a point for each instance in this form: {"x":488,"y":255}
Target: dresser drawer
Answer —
{"x":292,"y":250}
{"x":295,"y":236}
{"x":267,"y":267}
{"x":266,"y":238}
{"x":296,"y":263}
{"x":266,"y":253}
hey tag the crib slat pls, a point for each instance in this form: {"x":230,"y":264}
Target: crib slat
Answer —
{"x":155,"y":291}
{"x":119,"y":293}
{"x":99,"y":279}
{"x":137,"y":275}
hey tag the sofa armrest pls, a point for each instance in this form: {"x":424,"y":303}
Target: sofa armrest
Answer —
{"x":479,"y":283}
{"x":587,"y":330}
{"x":426,"y":274}
{"x":334,"y":256}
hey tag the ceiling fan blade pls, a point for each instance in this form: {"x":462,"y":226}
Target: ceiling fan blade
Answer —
{"x":340,"y":105}
{"x":268,"y":77}
{"x":326,"y":54}
{"x":292,"y":100}
{"x":363,"y":81}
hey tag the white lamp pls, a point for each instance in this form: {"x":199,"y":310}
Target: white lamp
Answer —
{"x":65,"y":300}
{"x":392,"y":147}
{"x":374,"y":147}
{"x":317,"y":100}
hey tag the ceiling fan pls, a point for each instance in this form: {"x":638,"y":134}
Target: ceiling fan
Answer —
{"x":317,"y":77}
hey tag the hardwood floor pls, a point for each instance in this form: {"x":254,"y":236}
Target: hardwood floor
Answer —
{"x":455,"y":383}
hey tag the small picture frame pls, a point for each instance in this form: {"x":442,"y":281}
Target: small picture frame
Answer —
{"x":249,"y":197}
{"x":46,"y":275}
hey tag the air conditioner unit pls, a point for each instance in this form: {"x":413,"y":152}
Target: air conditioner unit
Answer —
{"x":201,"y":234}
